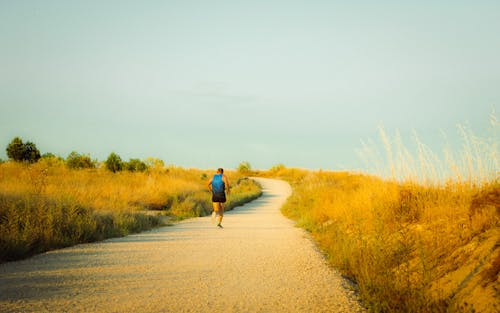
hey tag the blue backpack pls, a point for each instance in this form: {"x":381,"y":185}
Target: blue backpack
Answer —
{"x":218,"y":185}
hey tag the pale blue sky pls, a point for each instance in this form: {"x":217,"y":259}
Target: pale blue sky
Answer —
{"x":213,"y":83}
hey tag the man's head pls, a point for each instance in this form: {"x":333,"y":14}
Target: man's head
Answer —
{"x":220,"y":170}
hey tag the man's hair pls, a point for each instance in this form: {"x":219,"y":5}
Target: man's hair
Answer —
{"x":220,"y":170}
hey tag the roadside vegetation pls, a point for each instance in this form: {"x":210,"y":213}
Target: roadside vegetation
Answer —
{"x":53,"y":202}
{"x":416,"y":242}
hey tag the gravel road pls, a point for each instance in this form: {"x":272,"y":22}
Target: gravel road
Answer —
{"x":259,"y":262}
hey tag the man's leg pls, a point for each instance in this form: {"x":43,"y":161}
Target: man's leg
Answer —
{"x":221,"y":211}
{"x":216,"y":210}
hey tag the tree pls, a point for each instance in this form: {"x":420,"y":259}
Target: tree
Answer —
{"x":114,"y":163}
{"x":15,"y":149}
{"x":19,"y":151}
{"x":30,"y":152}
{"x":79,"y":161}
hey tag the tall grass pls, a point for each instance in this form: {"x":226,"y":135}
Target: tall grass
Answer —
{"x":46,"y":205}
{"x":476,"y":162}
{"x":418,"y":241}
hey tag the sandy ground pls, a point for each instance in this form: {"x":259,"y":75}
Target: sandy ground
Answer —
{"x":259,"y":262}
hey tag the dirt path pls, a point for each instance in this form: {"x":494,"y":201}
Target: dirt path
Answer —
{"x":258,"y":263}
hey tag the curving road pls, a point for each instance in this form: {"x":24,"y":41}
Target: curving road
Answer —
{"x":258,"y":263}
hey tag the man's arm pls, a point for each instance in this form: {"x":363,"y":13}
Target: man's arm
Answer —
{"x":209,"y":185}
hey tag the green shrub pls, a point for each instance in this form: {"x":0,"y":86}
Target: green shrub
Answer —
{"x":114,"y":163}
{"x":48,"y":155}
{"x":79,"y":161}
{"x":135,"y":165}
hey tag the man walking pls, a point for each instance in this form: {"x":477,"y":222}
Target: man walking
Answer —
{"x":218,"y":185}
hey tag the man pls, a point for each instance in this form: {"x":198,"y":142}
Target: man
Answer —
{"x":218,"y":185}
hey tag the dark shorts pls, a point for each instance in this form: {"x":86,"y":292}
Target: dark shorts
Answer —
{"x":219,"y":197}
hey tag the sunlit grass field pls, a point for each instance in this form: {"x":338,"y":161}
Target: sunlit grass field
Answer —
{"x":419,"y":243}
{"x":46,"y":205}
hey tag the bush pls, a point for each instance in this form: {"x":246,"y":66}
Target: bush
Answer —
{"x":155,"y":163}
{"x":48,"y":155}
{"x":135,"y":165}
{"x":114,"y":163}
{"x":79,"y":161}
{"x":19,"y":151}
{"x":244,"y":167}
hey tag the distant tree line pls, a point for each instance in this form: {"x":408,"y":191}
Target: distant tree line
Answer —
{"x":28,"y":152}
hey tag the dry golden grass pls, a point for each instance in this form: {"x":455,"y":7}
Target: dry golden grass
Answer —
{"x":425,"y":240}
{"x":47,"y":205}
{"x":99,"y":188}
{"x":411,"y":248}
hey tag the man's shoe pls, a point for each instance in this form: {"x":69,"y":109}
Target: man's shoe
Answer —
{"x":219,"y":225}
